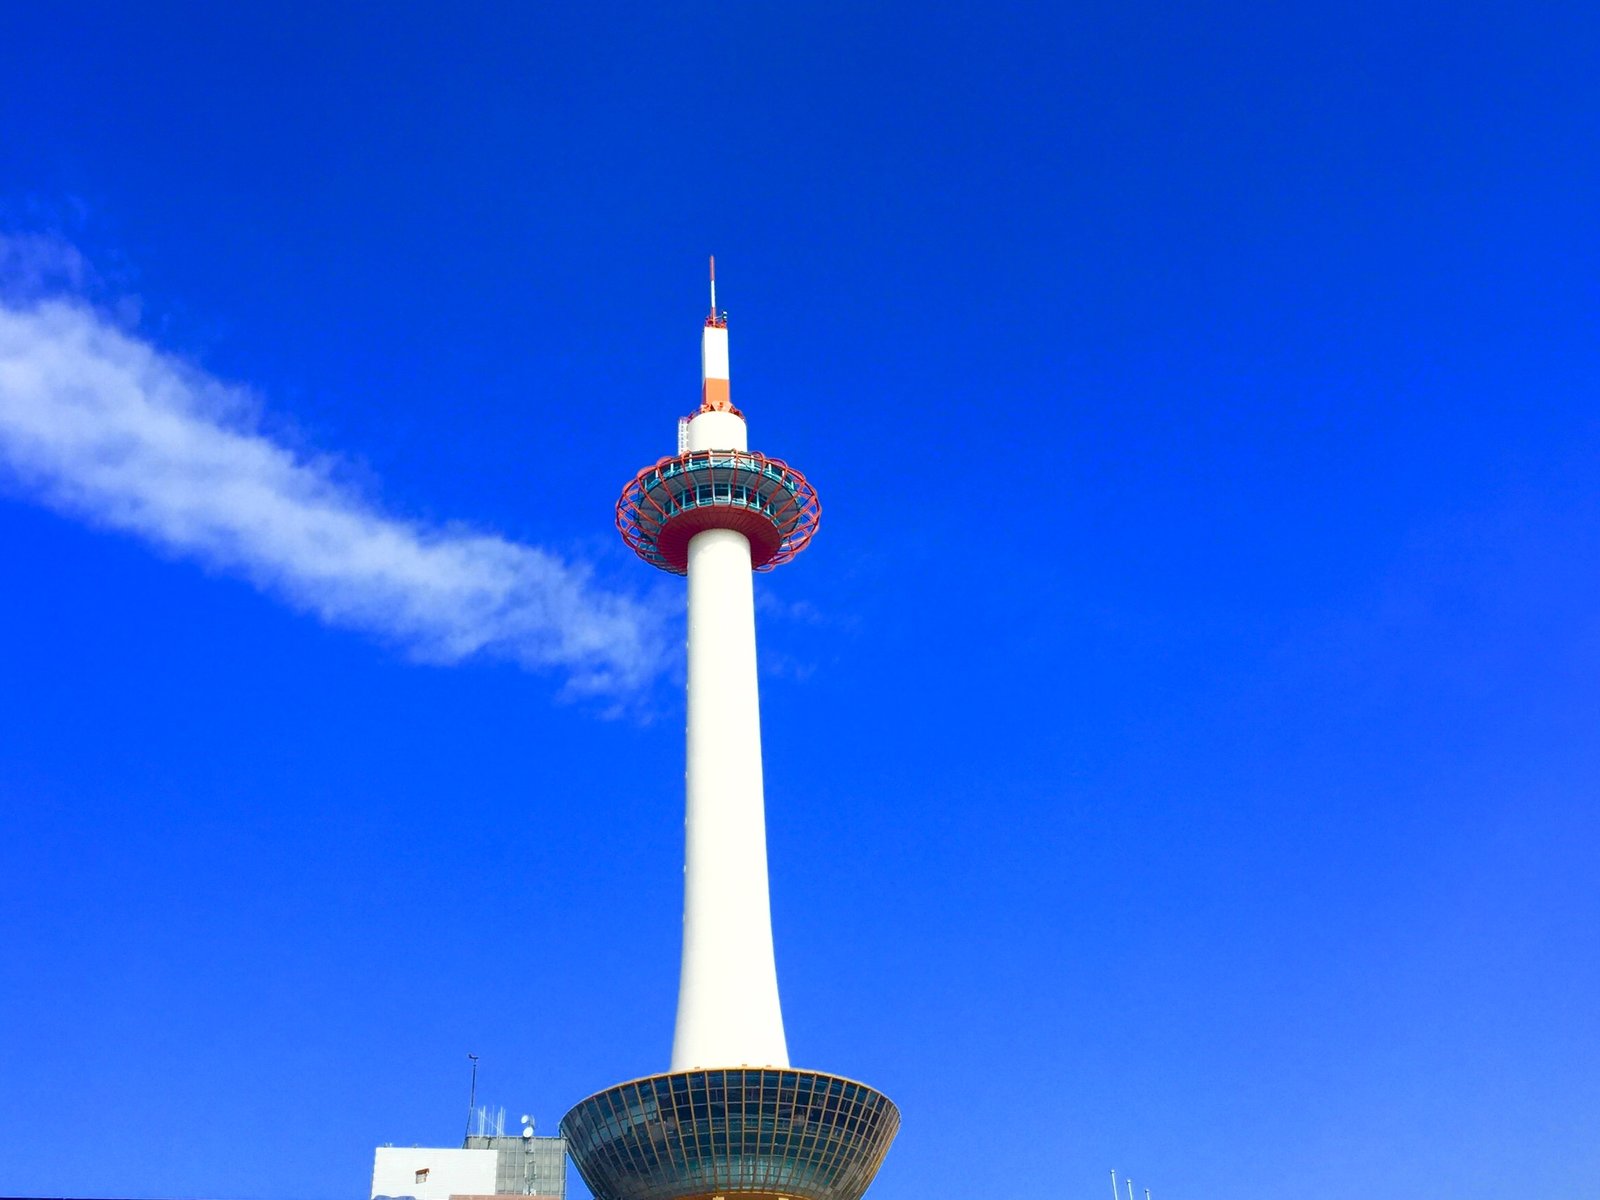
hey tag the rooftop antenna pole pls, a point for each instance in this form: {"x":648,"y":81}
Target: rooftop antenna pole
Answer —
{"x":1114,"y":1195}
{"x":1147,"y":1194}
{"x":713,"y":287}
{"x":472,"y":1098}
{"x":1129,"y":1182}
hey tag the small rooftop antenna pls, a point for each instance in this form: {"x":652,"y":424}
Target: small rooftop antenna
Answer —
{"x":472,"y":1097}
{"x":1129,"y":1182}
{"x":1114,"y":1194}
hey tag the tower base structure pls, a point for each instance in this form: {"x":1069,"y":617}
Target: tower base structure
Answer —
{"x":755,"y":1133}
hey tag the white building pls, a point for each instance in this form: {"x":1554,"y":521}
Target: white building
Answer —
{"x":485,"y":1166}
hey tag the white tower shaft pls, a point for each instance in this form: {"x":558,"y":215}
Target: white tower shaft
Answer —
{"x":728,"y":1010}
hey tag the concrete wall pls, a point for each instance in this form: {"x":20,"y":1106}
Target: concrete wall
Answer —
{"x":450,"y":1172}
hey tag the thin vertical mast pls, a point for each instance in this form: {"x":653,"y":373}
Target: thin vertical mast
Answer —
{"x":714,"y":388}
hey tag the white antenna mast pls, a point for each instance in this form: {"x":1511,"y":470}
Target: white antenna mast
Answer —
{"x":1114,"y":1195}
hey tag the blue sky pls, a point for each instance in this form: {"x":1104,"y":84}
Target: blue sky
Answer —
{"x":1182,"y":738}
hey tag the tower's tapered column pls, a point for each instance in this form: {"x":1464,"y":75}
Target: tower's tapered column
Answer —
{"x":728,"y":1011}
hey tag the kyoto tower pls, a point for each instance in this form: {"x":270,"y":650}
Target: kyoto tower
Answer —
{"x":731,"y":1117}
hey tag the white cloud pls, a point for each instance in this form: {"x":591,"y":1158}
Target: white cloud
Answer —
{"x":96,"y":423}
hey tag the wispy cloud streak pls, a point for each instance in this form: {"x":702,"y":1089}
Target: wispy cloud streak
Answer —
{"x":99,"y":424}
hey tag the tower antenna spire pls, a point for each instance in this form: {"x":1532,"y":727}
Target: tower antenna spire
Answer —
{"x":713,"y":319}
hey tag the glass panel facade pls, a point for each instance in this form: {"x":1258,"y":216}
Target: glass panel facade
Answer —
{"x":535,"y":1166}
{"x":752,"y":1132}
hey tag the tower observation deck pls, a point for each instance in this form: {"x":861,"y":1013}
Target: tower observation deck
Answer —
{"x":731,"y":1117}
